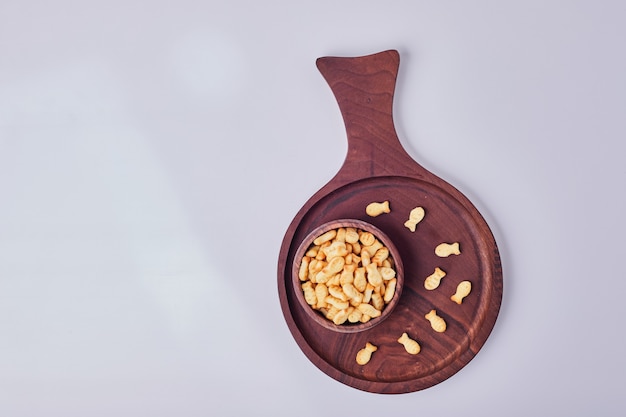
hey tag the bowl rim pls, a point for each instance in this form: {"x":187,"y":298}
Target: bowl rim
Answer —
{"x":315,"y":315}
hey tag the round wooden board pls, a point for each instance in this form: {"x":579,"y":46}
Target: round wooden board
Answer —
{"x":392,"y":369}
{"x":377,"y":169}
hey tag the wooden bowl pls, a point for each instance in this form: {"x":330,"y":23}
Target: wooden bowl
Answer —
{"x":316,"y":315}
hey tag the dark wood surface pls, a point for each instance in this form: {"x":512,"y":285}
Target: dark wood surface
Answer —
{"x":378,"y":168}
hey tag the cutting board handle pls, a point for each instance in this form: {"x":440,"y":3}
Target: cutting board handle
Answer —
{"x":364,"y":89}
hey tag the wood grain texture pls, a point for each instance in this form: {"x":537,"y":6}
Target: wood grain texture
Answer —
{"x":378,"y":168}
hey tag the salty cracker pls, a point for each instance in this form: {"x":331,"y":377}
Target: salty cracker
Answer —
{"x":375,"y":208}
{"x":436,"y":322}
{"x":387,"y":273}
{"x":443,"y":250}
{"x":367,"y":238}
{"x":380,"y":256}
{"x":415,"y":216}
{"x":352,"y":236}
{"x":369,"y":310}
{"x":364,"y":355}
{"x":390,"y":290}
{"x":462,"y":291}
{"x":410,"y":345}
{"x":432,"y":281}
{"x":325,"y":237}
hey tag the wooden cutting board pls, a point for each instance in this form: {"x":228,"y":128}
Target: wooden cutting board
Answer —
{"x":377,"y":168}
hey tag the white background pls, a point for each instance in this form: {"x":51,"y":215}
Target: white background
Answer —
{"x":153,"y":154}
